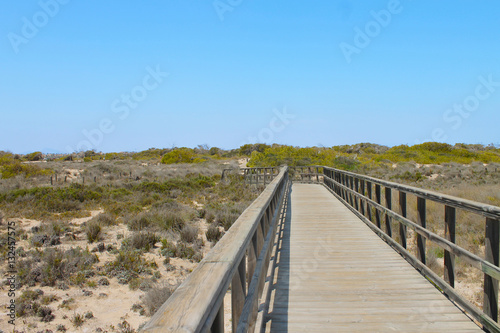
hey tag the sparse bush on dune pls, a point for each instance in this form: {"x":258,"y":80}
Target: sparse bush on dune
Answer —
{"x":189,"y":233}
{"x":93,"y":231}
{"x":141,"y":241}
{"x":51,"y":265}
{"x":155,"y":297}
{"x":130,"y":262}
{"x":103,"y":219}
{"x":213,"y":233}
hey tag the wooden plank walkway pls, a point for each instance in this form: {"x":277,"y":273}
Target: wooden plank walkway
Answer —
{"x":335,"y":275}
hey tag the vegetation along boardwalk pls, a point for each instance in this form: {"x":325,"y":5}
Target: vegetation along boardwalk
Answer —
{"x":333,"y":274}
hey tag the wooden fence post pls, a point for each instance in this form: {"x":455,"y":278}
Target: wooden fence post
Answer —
{"x":368,"y":207}
{"x":402,"y":209}
{"x":449,"y":234}
{"x":362,"y":202}
{"x":238,"y":293}
{"x":492,"y":251}
{"x":388,"y":204}
{"x":378,"y":198}
{"x":421,"y":220}
{"x":218,"y":324}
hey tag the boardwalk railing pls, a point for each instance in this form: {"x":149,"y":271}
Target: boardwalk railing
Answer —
{"x":260,"y":175}
{"x":240,"y":260}
{"x":363,"y":195}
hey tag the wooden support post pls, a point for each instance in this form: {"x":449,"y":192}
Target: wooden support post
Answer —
{"x":402,"y":210}
{"x":238,"y":293}
{"x":378,"y":198}
{"x":351,"y":186}
{"x":388,"y":204}
{"x":449,"y":234}
{"x":421,"y":220}
{"x":252,"y":258}
{"x":317,"y":174}
{"x":356,"y":188}
{"x":368,"y":207}
{"x":218,"y":324}
{"x":65,"y":179}
{"x":51,"y":181}
{"x":362,"y":202}
{"x":492,"y":252}
{"x":95,"y":179}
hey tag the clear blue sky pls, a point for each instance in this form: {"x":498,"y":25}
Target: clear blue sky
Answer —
{"x":336,"y":71}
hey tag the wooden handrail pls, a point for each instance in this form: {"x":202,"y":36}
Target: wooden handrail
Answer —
{"x":475,"y":207}
{"x":344,"y":185}
{"x":237,"y":259}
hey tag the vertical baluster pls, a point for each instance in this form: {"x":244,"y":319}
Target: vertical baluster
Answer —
{"x":492,"y":241}
{"x":421,"y":220}
{"x":388,"y":204}
{"x":356,"y":188}
{"x":368,"y":207}
{"x":218,"y":324}
{"x":238,"y":293}
{"x":378,"y":198}
{"x":362,"y":202}
{"x":449,"y":234}
{"x":402,"y":210}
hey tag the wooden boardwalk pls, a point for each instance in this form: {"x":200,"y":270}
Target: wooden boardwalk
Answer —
{"x":335,"y":275}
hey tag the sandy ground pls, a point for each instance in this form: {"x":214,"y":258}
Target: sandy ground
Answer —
{"x":110,"y":305}
{"x":242,"y":162}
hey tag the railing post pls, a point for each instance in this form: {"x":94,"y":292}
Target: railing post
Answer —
{"x":402,"y":209}
{"x":492,"y":252}
{"x":356,"y":188}
{"x":449,"y":234}
{"x":388,"y":204}
{"x":238,"y":293}
{"x":421,"y":220}
{"x":378,"y":198}
{"x":252,"y":257}
{"x":362,"y":202}
{"x":218,"y":324}
{"x":351,"y":186}
{"x":368,"y":207}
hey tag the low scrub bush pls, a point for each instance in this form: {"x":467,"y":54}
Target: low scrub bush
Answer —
{"x":141,"y":241}
{"x":156,"y":296}
{"x":213,"y":233}
{"x":52,"y":265}
{"x":189,"y":233}
{"x":93,"y":231}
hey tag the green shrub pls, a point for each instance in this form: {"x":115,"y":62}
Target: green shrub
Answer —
{"x":130,"y":261}
{"x":182,"y":155}
{"x":141,"y":241}
{"x":93,"y":231}
{"x":52,"y":265}
{"x":181,"y":250}
{"x":213,"y":233}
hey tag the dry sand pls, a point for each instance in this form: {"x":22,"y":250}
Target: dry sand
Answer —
{"x":110,"y":305}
